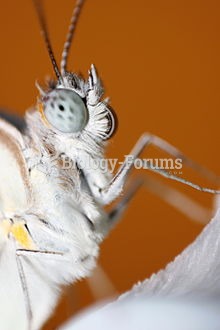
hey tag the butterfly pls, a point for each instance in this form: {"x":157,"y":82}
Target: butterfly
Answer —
{"x":53,"y":194}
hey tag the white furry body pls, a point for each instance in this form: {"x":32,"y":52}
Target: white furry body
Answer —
{"x":50,"y":219}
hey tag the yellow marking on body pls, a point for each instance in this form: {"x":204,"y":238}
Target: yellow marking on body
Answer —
{"x":22,"y":236}
{"x":40,"y":108}
{"x":19,"y":232}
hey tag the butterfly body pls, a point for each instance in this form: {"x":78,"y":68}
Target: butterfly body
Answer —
{"x":51,"y":221}
{"x":53,"y":189}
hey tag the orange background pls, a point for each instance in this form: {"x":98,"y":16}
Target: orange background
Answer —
{"x":159,"y":61}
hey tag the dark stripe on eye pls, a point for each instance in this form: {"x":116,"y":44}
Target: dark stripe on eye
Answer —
{"x":70,"y":117}
{"x":60,"y":116}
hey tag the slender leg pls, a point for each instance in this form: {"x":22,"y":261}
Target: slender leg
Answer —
{"x":25,"y":291}
{"x":173,"y":197}
{"x":118,"y":209}
{"x":180,"y":201}
{"x":170,"y":149}
{"x":113,"y":189}
{"x":19,"y":254}
{"x":100,"y":284}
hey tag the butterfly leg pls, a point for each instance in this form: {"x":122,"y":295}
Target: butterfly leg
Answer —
{"x":100,"y":284}
{"x":110,"y":192}
{"x":19,"y":254}
{"x":176,"y":153}
{"x":118,"y":209}
{"x":25,"y":291}
{"x":171,"y":196}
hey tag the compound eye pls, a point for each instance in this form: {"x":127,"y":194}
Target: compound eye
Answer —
{"x":65,"y":110}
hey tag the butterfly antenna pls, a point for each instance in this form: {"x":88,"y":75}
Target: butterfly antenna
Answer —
{"x":72,"y":27}
{"x":44,"y":32}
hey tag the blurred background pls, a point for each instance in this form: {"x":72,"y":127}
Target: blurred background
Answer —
{"x":160,"y":64}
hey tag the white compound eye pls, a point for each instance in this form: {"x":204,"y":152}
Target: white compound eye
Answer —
{"x":65,"y":110}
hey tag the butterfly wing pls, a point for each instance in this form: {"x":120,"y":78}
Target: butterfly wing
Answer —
{"x":13,"y":119}
{"x":14,"y":197}
{"x":14,"y":182}
{"x":41,"y":292}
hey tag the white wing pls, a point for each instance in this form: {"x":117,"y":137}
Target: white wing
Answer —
{"x":14,"y":189}
{"x":13,"y":198}
{"x":38,"y":270}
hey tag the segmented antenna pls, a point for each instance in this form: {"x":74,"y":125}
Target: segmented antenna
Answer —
{"x":44,"y":32}
{"x":73,"y":23}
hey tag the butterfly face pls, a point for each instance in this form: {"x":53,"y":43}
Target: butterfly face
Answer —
{"x":75,"y":106}
{"x":65,"y":110}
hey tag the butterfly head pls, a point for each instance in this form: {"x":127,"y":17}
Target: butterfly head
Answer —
{"x":73,"y":105}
